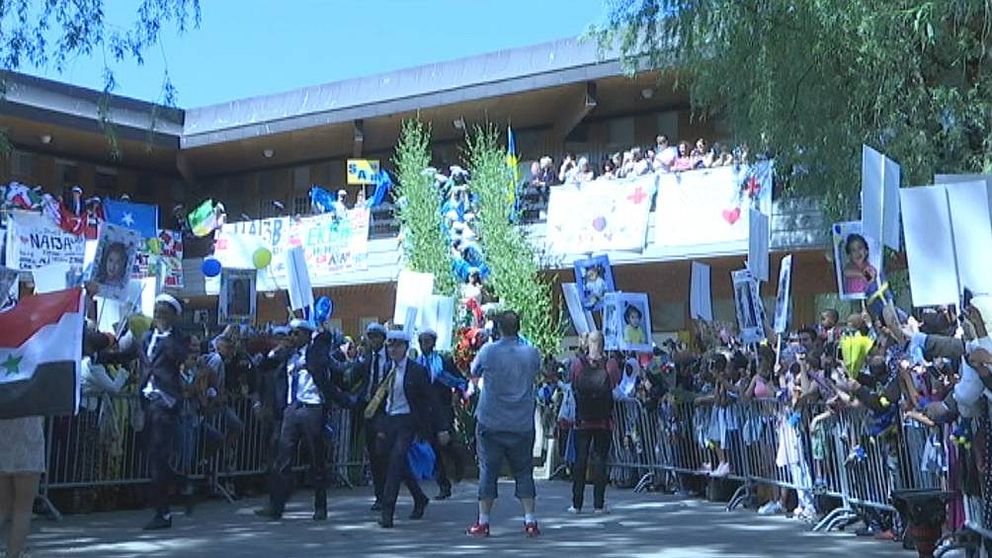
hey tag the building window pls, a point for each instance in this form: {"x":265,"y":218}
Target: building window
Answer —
{"x":301,"y":205}
{"x":105,"y":182}
{"x":22,"y":165}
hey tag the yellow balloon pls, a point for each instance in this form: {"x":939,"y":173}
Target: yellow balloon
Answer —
{"x":262,"y":258}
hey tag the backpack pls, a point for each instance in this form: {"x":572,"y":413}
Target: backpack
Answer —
{"x":593,"y":394}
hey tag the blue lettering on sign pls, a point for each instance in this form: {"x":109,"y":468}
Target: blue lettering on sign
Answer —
{"x":352,"y":168}
{"x":276,"y":232}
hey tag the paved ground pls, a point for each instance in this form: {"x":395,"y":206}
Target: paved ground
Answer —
{"x":641,"y":525}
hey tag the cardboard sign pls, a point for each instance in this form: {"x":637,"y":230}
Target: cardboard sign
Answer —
{"x":236,"y":303}
{"x":362,"y":171}
{"x":759,"y":234}
{"x":783,"y":296}
{"x":412,"y":289}
{"x":594,"y":278}
{"x":857,"y":259}
{"x":700,"y":294}
{"x":573,"y":301}
{"x":116,"y":250}
{"x":749,"y":308}
{"x":929,"y":245}
{"x":300,"y":290}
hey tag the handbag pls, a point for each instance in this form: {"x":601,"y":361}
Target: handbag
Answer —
{"x":421,"y":459}
{"x":566,"y":413}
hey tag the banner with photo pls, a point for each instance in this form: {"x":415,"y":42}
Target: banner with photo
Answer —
{"x":331,"y":245}
{"x":627,"y":322}
{"x":749,"y":307}
{"x":784,"y":295}
{"x":600,"y":216}
{"x":594,"y":278}
{"x":711,"y":207}
{"x":34,"y":241}
{"x":116,"y":250}
{"x":857,"y":259}
{"x":236,"y":303}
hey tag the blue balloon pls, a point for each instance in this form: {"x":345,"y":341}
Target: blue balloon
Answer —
{"x":323,"y":309}
{"x":211,"y":267}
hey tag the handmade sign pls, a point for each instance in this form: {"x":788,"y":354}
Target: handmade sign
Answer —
{"x":594,"y":278}
{"x":757,"y":248}
{"x":437,"y":313}
{"x":748,"y":305}
{"x":236,"y":303}
{"x":34,"y":241}
{"x":331,"y":244}
{"x":362,"y":171}
{"x":784,"y":295}
{"x":857,"y":259}
{"x":600,"y":216}
{"x":412,"y":288}
{"x":116,"y":250}
{"x":627,"y":322}
{"x":298,"y":282}
{"x":579,"y":316}
{"x":700,"y":294}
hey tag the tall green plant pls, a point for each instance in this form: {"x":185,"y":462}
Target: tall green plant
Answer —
{"x":424,"y":243}
{"x":515,"y":275}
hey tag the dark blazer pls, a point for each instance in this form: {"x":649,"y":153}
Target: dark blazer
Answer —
{"x":422,"y":398}
{"x":364,"y":370}
{"x":165,"y":364}
{"x":324,"y":369}
{"x":442,"y":393}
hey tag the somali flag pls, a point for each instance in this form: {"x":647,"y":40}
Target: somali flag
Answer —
{"x":139,"y":217}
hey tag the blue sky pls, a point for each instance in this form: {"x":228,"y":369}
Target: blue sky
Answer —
{"x":245,"y":48}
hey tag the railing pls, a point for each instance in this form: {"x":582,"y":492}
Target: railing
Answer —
{"x":106,"y":448}
{"x":769,"y":443}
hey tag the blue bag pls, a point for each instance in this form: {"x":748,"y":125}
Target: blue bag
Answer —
{"x":421,"y":459}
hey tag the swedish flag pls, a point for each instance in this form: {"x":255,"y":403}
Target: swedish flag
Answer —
{"x":512,"y":163}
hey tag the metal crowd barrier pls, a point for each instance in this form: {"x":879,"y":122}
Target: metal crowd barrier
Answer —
{"x":103,"y":447}
{"x":768,"y":443}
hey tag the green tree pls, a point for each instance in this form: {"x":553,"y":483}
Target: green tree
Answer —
{"x":810,"y":81}
{"x":419,"y":214}
{"x":52,"y":33}
{"x":515,"y":274}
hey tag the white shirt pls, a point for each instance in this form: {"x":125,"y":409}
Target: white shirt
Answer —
{"x":970,"y":388}
{"x":150,"y":391}
{"x":306,"y":388}
{"x":396,"y":403}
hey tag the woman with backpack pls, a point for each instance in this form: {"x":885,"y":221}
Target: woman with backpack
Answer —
{"x":593,"y":378}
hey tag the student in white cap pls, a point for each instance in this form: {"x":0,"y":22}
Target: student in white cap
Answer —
{"x":403,"y":408}
{"x":372,"y":369}
{"x":161,"y":355}
{"x":308,"y":394}
{"x":444,"y":375}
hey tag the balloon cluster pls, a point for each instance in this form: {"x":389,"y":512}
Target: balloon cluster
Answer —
{"x":261,"y":259}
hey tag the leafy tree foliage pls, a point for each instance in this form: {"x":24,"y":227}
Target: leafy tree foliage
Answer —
{"x":424,"y":242}
{"x":810,"y":81}
{"x":52,"y":33}
{"x":515,"y":274}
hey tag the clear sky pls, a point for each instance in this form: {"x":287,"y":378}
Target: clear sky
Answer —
{"x":245,"y":48}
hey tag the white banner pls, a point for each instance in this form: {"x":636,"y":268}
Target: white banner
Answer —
{"x":600,"y":216}
{"x":711,"y":207}
{"x":331,"y":246}
{"x":34,"y":241}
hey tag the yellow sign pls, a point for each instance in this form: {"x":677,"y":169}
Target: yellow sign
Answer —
{"x":362,"y":171}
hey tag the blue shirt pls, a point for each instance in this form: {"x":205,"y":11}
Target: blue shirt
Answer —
{"x":506,"y":400}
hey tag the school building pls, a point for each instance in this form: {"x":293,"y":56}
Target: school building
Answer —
{"x":563,"y":96}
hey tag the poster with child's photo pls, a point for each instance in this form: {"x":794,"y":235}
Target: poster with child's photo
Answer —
{"x":749,"y":307}
{"x":611,"y":323}
{"x":236,"y":302}
{"x":116,"y":250}
{"x":594,"y":278}
{"x":857,"y":259}
{"x":632,"y":317}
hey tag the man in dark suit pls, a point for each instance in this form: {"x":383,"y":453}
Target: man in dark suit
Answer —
{"x":403,"y":408}
{"x":309,"y":392}
{"x":161,"y":354}
{"x":373,"y":369}
{"x":444,"y":377}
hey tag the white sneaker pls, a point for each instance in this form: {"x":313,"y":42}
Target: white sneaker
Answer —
{"x":771,"y":508}
{"x":574,"y":510}
{"x":722,"y":470}
{"x":601,"y":511}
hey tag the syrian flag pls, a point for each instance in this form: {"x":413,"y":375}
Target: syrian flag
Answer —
{"x":41,"y":344}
